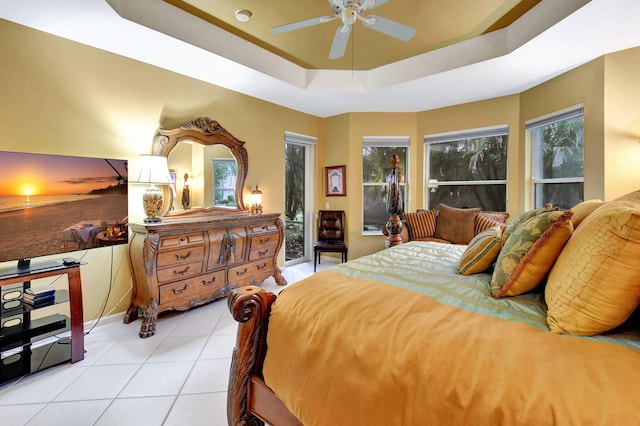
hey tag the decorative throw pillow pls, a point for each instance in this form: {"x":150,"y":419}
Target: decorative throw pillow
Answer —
{"x":422,"y":224}
{"x":485,"y":221}
{"x":584,"y":209}
{"x":456,"y":225}
{"x":530,"y":252}
{"x":595,"y":284}
{"x":499,"y":216}
{"x":523,"y":217}
{"x":482,"y":252}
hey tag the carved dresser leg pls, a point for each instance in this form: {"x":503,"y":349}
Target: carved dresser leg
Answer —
{"x":150,"y":314}
{"x":250,"y":306}
{"x":131,"y":314}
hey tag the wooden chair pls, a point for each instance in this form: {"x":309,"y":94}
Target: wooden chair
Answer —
{"x":330,"y":235}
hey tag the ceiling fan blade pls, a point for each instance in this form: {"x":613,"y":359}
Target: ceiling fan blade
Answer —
{"x":389,"y":27}
{"x":340,"y":40}
{"x":372,"y":4}
{"x":301,"y":24}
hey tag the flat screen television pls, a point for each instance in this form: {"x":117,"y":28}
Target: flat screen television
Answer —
{"x":56,"y":204}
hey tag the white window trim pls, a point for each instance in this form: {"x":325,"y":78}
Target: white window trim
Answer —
{"x":479,"y":132}
{"x":309,"y":192}
{"x":530,"y":126}
{"x":386,"y":142}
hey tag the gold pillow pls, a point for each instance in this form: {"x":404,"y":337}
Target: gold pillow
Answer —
{"x":584,"y":209}
{"x":422,"y":224}
{"x":595,"y":284}
{"x":456,"y":225}
{"x":530,"y":252}
{"x":482,"y":252}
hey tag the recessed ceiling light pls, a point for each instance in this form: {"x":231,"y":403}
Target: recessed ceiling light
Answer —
{"x":243,"y":15}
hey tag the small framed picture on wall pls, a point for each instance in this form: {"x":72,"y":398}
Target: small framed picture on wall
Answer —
{"x":335,"y":181}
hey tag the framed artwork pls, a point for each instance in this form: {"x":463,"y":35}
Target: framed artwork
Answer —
{"x":335,"y":181}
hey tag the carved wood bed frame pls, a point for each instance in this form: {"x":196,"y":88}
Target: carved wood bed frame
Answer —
{"x":249,"y":400}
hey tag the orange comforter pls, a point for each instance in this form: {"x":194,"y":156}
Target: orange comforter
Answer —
{"x":354,"y":351}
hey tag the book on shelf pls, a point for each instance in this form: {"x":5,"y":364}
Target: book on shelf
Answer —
{"x":40,"y":291}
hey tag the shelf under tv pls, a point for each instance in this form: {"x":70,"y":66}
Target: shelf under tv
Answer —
{"x":32,"y":359}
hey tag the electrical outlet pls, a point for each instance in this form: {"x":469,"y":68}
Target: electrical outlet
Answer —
{"x":326,"y":206}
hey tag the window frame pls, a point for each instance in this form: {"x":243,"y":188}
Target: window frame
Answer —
{"x":213,"y":178}
{"x":462,"y":135}
{"x":386,"y":142}
{"x":532,"y":134}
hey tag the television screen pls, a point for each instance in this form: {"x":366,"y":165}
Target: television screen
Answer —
{"x":53,"y":204}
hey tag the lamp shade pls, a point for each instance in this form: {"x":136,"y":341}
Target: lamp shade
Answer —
{"x":152,"y":170}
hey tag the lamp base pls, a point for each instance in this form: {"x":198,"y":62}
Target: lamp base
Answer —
{"x":152,"y":202}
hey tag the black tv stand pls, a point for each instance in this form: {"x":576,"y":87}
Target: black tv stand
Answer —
{"x":21,"y":352}
{"x":45,"y":265}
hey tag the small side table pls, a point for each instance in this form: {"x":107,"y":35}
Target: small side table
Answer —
{"x":104,"y":241}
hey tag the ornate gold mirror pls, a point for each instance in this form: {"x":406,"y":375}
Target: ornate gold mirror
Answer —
{"x":209,"y":166}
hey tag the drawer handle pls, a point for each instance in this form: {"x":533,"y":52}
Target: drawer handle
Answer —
{"x":264,"y":240}
{"x":213,"y":280}
{"x":260,"y":268}
{"x":241,"y":273}
{"x":181,"y":291}
{"x":183,"y":239}
{"x":181,"y":273}
{"x":186,"y":256}
{"x":265,"y":227}
{"x":263,"y":253}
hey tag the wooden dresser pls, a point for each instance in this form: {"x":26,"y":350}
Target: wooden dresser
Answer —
{"x":185,"y":262}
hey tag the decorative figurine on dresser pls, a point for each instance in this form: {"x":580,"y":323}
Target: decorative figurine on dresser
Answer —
{"x":198,"y":255}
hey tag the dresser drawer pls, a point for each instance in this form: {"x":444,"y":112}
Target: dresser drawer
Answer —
{"x":264,"y":239}
{"x":264,"y":228}
{"x":173,"y":242}
{"x":256,"y":279}
{"x":180,"y":256}
{"x":204,"y":287}
{"x":248,"y":269}
{"x":179,"y":272}
{"x":264,"y":252}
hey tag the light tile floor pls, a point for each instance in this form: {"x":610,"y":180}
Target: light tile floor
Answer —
{"x":177,"y":377}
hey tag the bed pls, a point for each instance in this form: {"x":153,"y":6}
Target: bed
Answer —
{"x":400,"y":337}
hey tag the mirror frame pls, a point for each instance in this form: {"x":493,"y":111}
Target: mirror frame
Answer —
{"x":204,"y":131}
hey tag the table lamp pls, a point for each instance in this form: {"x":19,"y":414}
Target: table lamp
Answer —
{"x":256,"y":201}
{"x":152,"y":170}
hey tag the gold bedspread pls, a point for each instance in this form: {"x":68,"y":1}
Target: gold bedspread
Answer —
{"x":344,"y":349}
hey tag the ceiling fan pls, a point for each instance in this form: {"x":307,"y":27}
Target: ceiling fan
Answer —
{"x":350,"y":11}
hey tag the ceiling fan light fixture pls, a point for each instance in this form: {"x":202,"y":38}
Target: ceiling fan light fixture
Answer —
{"x":243,"y":15}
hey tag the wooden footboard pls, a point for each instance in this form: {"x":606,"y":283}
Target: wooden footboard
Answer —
{"x":249,"y":399}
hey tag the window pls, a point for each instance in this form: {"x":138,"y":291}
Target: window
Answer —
{"x":467,"y":168}
{"x":558,"y":158}
{"x":225,"y":171}
{"x":376,"y":165}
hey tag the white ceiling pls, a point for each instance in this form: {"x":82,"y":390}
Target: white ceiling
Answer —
{"x":555,"y":36}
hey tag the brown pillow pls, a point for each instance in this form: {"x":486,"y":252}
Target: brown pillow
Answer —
{"x":485,"y":221}
{"x":456,"y":225}
{"x":421,"y":224}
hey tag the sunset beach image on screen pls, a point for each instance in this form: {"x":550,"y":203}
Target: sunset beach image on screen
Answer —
{"x":53,"y":204}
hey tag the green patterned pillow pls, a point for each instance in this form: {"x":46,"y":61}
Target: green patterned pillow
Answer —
{"x":481,"y":252}
{"x":530,"y":252}
{"x":522,"y":218}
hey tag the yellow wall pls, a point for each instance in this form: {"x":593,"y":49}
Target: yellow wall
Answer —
{"x":583,"y":85}
{"x":61,"y":97}
{"x":622,"y":123}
